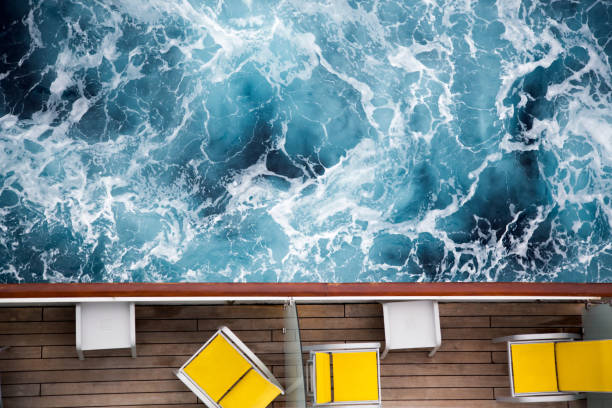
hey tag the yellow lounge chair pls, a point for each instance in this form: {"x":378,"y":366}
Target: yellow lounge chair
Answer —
{"x":344,"y":375}
{"x":224,"y":373}
{"x":555,"y":367}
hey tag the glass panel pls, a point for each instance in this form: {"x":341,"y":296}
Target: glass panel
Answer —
{"x":597,"y":322}
{"x":295,"y":389}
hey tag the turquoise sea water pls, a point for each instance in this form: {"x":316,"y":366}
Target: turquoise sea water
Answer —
{"x":335,"y":141}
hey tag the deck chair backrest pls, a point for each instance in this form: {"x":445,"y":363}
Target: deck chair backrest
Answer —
{"x":584,"y":366}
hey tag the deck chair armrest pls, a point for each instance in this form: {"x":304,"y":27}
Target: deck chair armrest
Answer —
{"x":541,"y":336}
{"x":309,"y":376}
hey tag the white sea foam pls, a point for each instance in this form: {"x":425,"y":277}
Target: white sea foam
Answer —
{"x":405,"y":59}
{"x":106,"y":189}
{"x":8,"y":121}
{"x":598,"y":129}
{"x":61,"y":82}
{"x":79,"y":108}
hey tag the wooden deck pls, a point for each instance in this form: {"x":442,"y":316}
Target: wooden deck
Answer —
{"x":41,"y":368}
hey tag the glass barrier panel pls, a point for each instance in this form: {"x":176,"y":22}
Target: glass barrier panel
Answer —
{"x":295,"y":390}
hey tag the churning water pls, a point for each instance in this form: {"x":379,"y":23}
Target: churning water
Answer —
{"x":291,"y":140}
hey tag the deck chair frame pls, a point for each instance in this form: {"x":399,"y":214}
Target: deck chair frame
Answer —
{"x":558,"y":396}
{"x":242,"y":349}
{"x":340,"y":348}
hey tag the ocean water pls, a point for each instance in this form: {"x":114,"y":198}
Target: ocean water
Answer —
{"x":290,"y":140}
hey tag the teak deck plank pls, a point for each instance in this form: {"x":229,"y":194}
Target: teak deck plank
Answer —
{"x":441,"y":357}
{"x":91,"y":363}
{"x":539,"y":321}
{"x":210,"y":312}
{"x":471,"y":345}
{"x":481,"y":309}
{"x":199,"y":336}
{"x":436,"y":393}
{"x":441,"y":381}
{"x":324,"y":310}
{"x":443,"y":369}
{"x":97,"y":400}
{"x":21,"y":352}
{"x":20,"y":314}
{"x":52,"y":377}
{"x":111,"y":387}
{"x":36,"y":327}
{"x":21,"y":390}
{"x":37,"y":339}
{"x":41,"y":370}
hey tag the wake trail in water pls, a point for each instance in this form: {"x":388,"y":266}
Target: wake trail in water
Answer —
{"x":333,"y":141}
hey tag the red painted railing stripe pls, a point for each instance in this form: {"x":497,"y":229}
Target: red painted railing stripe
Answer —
{"x":52,"y":290}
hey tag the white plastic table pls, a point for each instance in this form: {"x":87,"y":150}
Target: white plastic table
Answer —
{"x":105,"y":325}
{"x":412,"y":324}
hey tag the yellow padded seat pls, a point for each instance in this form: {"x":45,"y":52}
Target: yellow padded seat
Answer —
{"x":585,"y":365}
{"x":355,"y":376}
{"x":253,"y":391}
{"x":323,"y":378}
{"x":217,"y":367}
{"x":533,"y":367}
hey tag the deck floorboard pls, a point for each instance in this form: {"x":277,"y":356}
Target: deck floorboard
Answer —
{"x":41,"y":369}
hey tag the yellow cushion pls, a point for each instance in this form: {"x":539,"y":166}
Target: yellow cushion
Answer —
{"x":533,"y":367}
{"x":585,"y":365}
{"x":323,"y":378}
{"x":252,"y":391}
{"x":355,"y":376}
{"x":216,"y":368}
